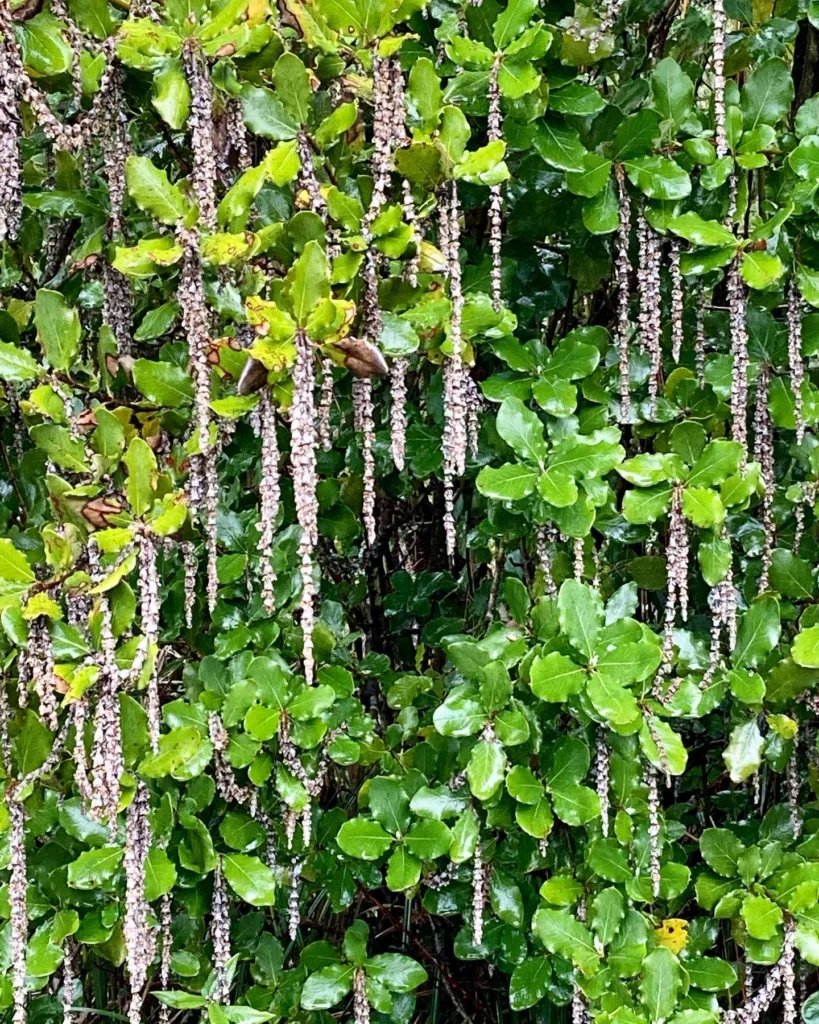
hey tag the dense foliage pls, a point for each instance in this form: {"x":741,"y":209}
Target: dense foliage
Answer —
{"x":408,"y":554}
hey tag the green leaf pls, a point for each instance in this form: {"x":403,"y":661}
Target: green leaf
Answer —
{"x":555,"y":677}
{"x":661,"y":983}
{"x":327,"y":987}
{"x":611,"y":699}
{"x":580,"y":609}
{"x":761,"y":269}
{"x":693,"y":228}
{"x":308,"y":281}
{"x":559,"y":145}
{"x":151,"y":190}
{"x":512,"y":21}
{"x":710,"y":973}
{"x":672,"y":91}
{"x":521,"y":429}
{"x":141,"y":463}
{"x":670,"y":755}
{"x":16,"y":364}
{"x":805,"y":649}
{"x":486,"y":769}
{"x":395,"y":971}
{"x":509,"y":482}
{"x":58,"y":329}
{"x":762,"y":917}
{"x":743,"y":755}
{"x":758,"y":633}
{"x":14,"y":565}
{"x":95,"y":869}
{"x":250,"y":879}
{"x":658,"y":177}
{"x":767,"y":95}
{"x":529,"y":983}
{"x":561,"y":933}
{"x":266,"y":115}
{"x":721,"y":851}
{"x":171,"y":95}
{"x":364,"y":838}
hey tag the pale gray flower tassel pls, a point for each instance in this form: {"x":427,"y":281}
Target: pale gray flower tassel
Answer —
{"x":190,"y":568}
{"x":478,"y":896}
{"x":270,"y":494}
{"x":200,"y":125}
{"x":650,"y":315}
{"x":677,"y":301}
{"x":797,"y":366}
{"x":622,"y":273}
{"x":220,"y":935}
{"x":601,"y":771}
{"x":140,"y":937}
{"x":398,"y":412}
{"x":654,"y":829}
{"x":699,"y":337}
{"x":79,"y":716}
{"x":764,"y":455}
{"x":293,"y":910}
{"x":149,"y":612}
{"x":545,"y":562}
{"x":361,"y":1004}
{"x":11,"y":166}
{"x":17,"y":887}
{"x":165,"y":921}
{"x":303,"y":464}
{"x":363,"y":414}
{"x":794,"y":787}
{"x":495,"y":132}
{"x":739,"y":352}
{"x":718,"y":51}
{"x":325,"y":433}
{"x":106,"y":755}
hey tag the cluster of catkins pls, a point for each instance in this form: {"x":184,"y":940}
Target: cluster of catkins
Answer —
{"x":779,"y":976}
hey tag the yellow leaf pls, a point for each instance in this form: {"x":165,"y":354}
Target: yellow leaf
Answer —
{"x":673,"y":934}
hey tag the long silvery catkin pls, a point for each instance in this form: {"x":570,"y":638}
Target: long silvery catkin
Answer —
{"x":739,"y":351}
{"x":303,"y":466}
{"x":149,"y":612}
{"x":677,"y":301}
{"x":363,"y":414}
{"x":601,"y":771}
{"x":650,"y":313}
{"x":718,"y":51}
{"x":764,"y":455}
{"x":220,"y":935}
{"x":654,"y":829}
{"x":11,"y":166}
{"x":398,"y":411}
{"x":454,"y":441}
{"x":495,"y":132}
{"x":200,"y":124}
{"x":269,"y":493}
{"x":106,"y":754}
{"x":795,"y":362}
{"x":17,"y":906}
{"x":140,"y":937}
{"x":622,"y":273}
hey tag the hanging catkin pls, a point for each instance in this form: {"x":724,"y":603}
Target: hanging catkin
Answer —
{"x":106,"y":754}
{"x":140,"y":937}
{"x":293,"y":909}
{"x":797,"y":366}
{"x":739,"y":352}
{"x":117,"y":301}
{"x":41,"y":666}
{"x":149,"y":611}
{"x":454,"y":441}
{"x":495,"y":132}
{"x":650,"y":312}
{"x":478,"y":896}
{"x":677,"y":301}
{"x":361,"y":1004}
{"x":18,"y":911}
{"x":165,"y":921}
{"x":677,"y":556}
{"x":303,"y":467}
{"x":601,"y":774}
{"x":718,"y":50}
{"x":195,"y":322}
{"x":220,"y":935}
{"x":363,"y":417}
{"x":190,"y":567}
{"x":11,"y":168}
{"x":723,"y":602}
{"x":79,"y":716}
{"x":269,"y":495}
{"x":545,"y":562}
{"x":764,"y":455}
{"x":398,"y":411}
{"x":654,"y":829}
{"x":622,"y":273}
{"x":200,"y":125}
